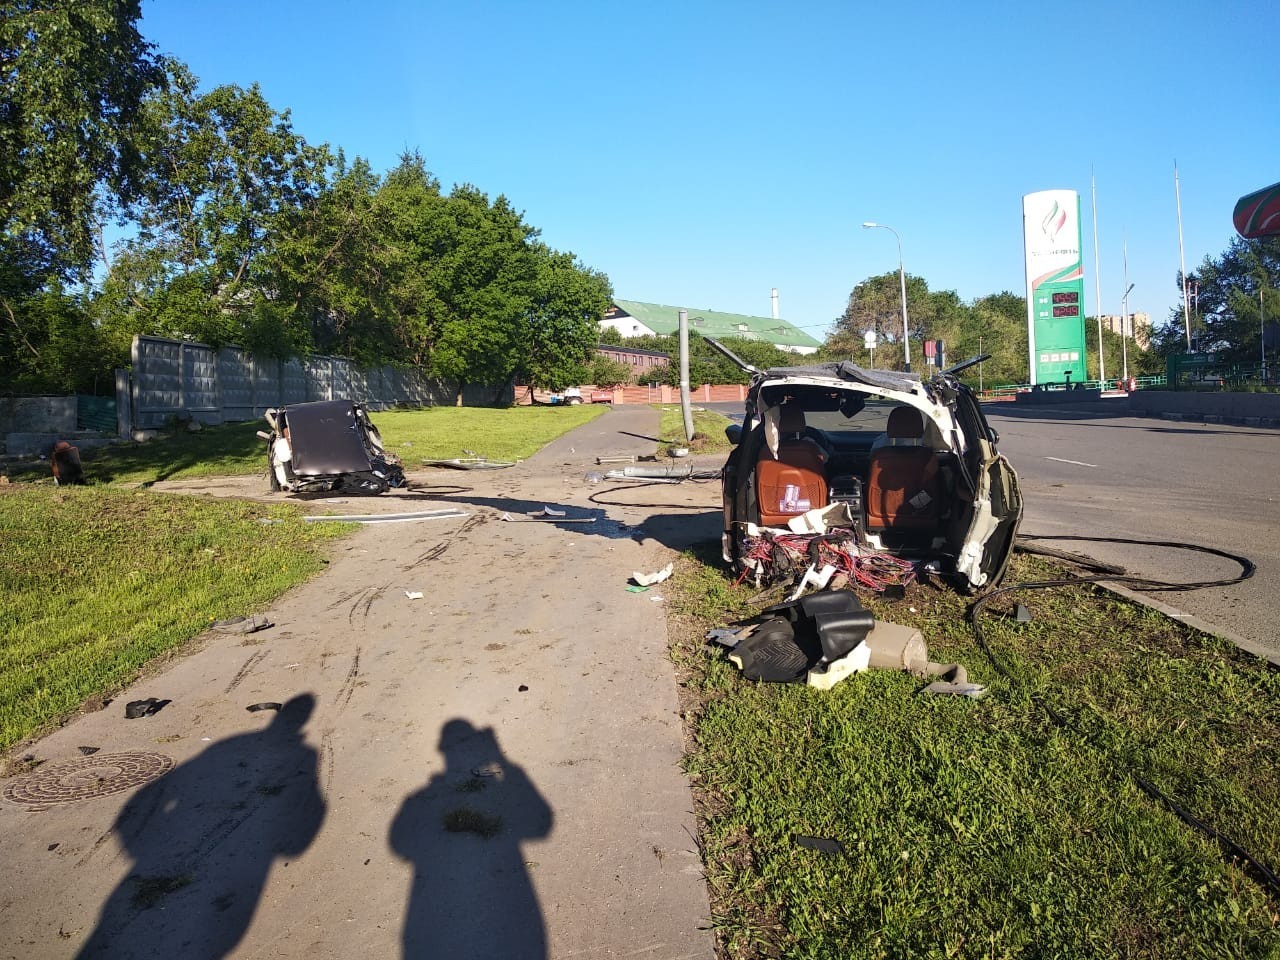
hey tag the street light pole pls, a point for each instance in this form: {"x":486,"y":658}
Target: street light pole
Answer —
{"x":1124,"y":326}
{"x":902,"y":281}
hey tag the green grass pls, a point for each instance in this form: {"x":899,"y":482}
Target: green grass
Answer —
{"x":982,"y":828}
{"x":443,"y":433}
{"x":233,"y":449}
{"x":708,"y":431}
{"x":96,"y":582}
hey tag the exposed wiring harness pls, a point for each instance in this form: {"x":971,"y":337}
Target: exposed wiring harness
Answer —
{"x":787,"y":552}
{"x":1257,"y":868}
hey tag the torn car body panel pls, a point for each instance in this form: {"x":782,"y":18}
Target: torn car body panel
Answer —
{"x":328,"y":445}
{"x":914,"y":462}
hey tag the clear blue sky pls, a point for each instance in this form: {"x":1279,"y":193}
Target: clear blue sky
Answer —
{"x":701,"y":153}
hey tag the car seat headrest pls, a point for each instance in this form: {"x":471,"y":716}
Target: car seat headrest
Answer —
{"x":790,"y":419}
{"x":905,"y":423}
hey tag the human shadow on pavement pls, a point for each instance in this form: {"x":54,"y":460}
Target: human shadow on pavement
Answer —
{"x":472,"y":896}
{"x":203,"y":839}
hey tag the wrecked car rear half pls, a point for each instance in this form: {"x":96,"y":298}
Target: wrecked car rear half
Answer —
{"x":878,"y":462}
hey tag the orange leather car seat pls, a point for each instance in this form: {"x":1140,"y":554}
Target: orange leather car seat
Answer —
{"x":795,"y":481}
{"x":902,"y":488}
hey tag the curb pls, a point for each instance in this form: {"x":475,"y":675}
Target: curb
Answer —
{"x":1265,"y":422}
{"x":1196,"y":623}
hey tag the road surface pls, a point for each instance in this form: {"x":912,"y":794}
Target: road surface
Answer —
{"x":1095,"y":471}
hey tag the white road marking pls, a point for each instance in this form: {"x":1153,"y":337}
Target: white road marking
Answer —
{"x":1078,"y":463}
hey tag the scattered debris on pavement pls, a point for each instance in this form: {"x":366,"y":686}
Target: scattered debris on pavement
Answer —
{"x":242,"y":625}
{"x":390,"y":517}
{"x":135,"y":709}
{"x":470,"y":463}
{"x":649,"y":579}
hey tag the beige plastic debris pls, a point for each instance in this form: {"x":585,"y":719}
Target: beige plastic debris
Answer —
{"x":855,"y":661}
{"x":649,"y":579}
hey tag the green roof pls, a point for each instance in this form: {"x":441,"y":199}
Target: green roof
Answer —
{"x":662,"y":319}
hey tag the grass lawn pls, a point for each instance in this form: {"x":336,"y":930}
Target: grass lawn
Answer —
{"x":708,"y":431}
{"x":95,"y":582}
{"x":983,"y":828}
{"x":233,"y":449}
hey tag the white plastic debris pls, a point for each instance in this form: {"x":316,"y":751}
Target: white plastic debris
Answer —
{"x":813,"y":577}
{"x":649,"y":579}
{"x":413,"y":594}
{"x":821,"y":519}
{"x":547,"y":512}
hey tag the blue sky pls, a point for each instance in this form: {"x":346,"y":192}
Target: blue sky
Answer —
{"x":701,"y":153}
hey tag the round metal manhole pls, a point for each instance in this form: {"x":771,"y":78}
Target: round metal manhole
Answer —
{"x":86,"y":778}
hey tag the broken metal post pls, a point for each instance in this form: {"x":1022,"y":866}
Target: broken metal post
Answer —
{"x":671,"y":472}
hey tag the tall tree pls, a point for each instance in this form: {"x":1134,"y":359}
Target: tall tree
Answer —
{"x":1227,"y":316}
{"x":72,"y":77}
{"x":224,"y":171}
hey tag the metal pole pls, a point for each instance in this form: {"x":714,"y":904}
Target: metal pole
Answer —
{"x":980,"y":364}
{"x":1262,"y":330}
{"x":1186,"y":308}
{"x":902,"y":281}
{"x":1097,"y":286}
{"x":684,"y":375}
{"x":1124,"y":309}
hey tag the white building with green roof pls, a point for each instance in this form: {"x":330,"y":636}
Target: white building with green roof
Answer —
{"x":631,"y":318}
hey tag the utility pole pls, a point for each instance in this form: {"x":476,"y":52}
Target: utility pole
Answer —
{"x":685,"y":408}
{"x":1097,"y":287}
{"x":1186,"y":309}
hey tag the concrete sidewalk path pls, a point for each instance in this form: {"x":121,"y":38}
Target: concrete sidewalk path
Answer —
{"x":489,"y":771}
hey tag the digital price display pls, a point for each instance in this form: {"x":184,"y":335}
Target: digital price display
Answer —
{"x":1065,"y":311}
{"x":1066,"y":297}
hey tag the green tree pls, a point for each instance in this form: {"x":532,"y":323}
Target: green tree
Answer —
{"x":1227,"y":317}
{"x":609,"y":373}
{"x":996,"y":324}
{"x":224,"y":172}
{"x":72,"y":76}
{"x":561,"y":327}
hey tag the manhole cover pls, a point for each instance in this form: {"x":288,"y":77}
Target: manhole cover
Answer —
{"x":87,"y":777}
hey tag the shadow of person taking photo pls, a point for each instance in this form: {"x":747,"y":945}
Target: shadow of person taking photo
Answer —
{"x":203,"y":839}
{"x":472,"y":896}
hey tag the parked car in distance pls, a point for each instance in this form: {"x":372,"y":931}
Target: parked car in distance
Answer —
{"x":913,"y":462}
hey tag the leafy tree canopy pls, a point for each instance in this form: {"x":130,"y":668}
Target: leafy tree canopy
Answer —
{"x":1226,"y":315}
{"x":72,"y":78}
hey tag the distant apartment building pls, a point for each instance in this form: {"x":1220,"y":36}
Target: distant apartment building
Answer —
{"x":640,"y":361}
{"x":1139,"y":328}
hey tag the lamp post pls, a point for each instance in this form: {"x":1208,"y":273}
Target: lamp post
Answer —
{"x":902,"y":280}
{"x":1124,"y":325}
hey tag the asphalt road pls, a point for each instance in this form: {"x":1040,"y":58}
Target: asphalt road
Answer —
{"x":1094,"y":471}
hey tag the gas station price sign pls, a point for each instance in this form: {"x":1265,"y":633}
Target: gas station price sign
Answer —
{"x":1055,"y":287}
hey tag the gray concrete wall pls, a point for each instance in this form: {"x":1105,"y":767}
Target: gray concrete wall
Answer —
{"x":37,"y":414}
{"x":171,"y":378}
{"x":1262,"y":409}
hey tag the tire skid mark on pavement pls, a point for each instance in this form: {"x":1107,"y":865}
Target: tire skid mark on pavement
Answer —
{"x":326,"y":759}
{"x":349,"y":682}
{"x":142,"y":817}
{"x":244,"y":671}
